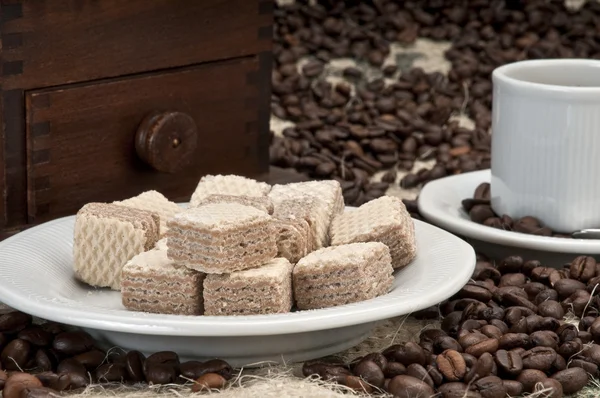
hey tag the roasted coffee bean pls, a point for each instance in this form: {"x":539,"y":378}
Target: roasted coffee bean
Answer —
{"x":452,"y":365}
{"x":480,"y":213}
{"x":36,"y":336}
{"x":512,"y":264}
{"x":500,"y":325}
{"x":70,"y":365}
{"x":513,"y":387}
{"x":536,"y":322}
{"x":16,"y":354}
{"x":406,"y":353}
{"x":435,"y":374}
{"x":544,"y":338}
{"x":545,"y":295}
{"x":475,"y":292}
{"x":164,"y":357}
{"x":14,"y":322}
{"x":160,"y":373}
{"x":513,"y":340}
{"x":419,"y":372}
{"x":590,"y":367}
{"x":111,"y":372}
{"x":558,"y":364}
{"x":457,"y":390}
{"x":47,"y":378}
{"x":409,"y":387}
{"x":3,"y":377}
{"x":540,"y":358}
{"x":566,"y":287}
{"x":557,"y":275}
{"x":586,"y":322}
{"x":482,"y":368}
{"x":571,"y":380}
{"x":533,"y":289}
{"x":19,"y":382}
{"x":443,"y":343}
{"x":489,"y":345}
{"x":550,"y":387}
{"x":429,"y":335}
{"x":569,"y":348}
{"x":585,"y":337}
{"x":551,"y":308}
{"x":46,"y":360}
{"x":209,"y":381}
{"x":567,"y":332}
{"x":508,"y":362}
{"x":583,"y":268}
{"x":592,"y":352}
{"x":72,"y":343}
{"x":484,"y":270}
{"x":512,"y":280}
{"x":491,"y":331}
{"x":467,"y":339}
{"x":529,"y":378}
{"x":91,"y":359}
{"x":490,"y":387}
{"x":594,"y":329}
{"x":69,"y":381}
{"x":394,"y":369}
{"x":372,"y":373}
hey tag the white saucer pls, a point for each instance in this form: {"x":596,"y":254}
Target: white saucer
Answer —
{"x":36,"y":277}
{"x":440,"y":203}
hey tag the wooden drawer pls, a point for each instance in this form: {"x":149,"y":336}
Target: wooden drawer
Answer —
{"x":48,"y":43}
{"x":81,"y":139}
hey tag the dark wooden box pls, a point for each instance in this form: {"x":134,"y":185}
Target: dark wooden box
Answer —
{"x":103,"y":99}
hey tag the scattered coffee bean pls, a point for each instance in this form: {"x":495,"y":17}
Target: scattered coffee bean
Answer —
{"x":572,"y":379}
{"x":209,"y":381}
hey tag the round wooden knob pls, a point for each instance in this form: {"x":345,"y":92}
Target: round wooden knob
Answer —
{"x":167,"y":140}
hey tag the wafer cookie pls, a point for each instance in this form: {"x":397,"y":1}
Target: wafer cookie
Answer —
{"x":263,"y":203}
{"x":106,"y":236}
{"x":227,"y":185}
{"x":385,"y":220}
{"x":156,"y":202}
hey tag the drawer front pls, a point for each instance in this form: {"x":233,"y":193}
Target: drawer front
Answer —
{"x":54,"y":42}
{"x":81,"y":141}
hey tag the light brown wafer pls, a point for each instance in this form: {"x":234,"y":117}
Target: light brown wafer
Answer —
{"x":221,"y":238}
{"x":156,"y":202}
{"x":263,"y":290}
{"x":322,"y":199}
{"x":385,"y":220}
{"x":228,"y":185}
{"x":263,"y":203}
{"x":343,"y":274}
{"x":151,"y":282}
{"x":106,"y":236}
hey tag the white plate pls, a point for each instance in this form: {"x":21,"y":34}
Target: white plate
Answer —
{"x":36,"y":277}
{"x":440,"y":203}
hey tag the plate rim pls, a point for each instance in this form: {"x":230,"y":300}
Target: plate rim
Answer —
{"x":429,"y":206}
{"x":261,"y":325}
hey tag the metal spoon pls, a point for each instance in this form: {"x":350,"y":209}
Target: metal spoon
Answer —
{"x":586,"y":234}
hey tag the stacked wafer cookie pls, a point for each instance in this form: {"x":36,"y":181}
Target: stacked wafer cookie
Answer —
{"x":239,"y":246}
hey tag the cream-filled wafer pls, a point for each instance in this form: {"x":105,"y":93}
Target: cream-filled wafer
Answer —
{"x":151,"y":282}
{"x":106,"y":236}
{"x":385,"y":220}
{"x":343,"y":274}
{"x":322,"y":199}
{"x":227,"y":185}
{"x":221,"y":238}
{"x":263,"y":203}
{"x":263,"y":290}
{"x":156,"y":202}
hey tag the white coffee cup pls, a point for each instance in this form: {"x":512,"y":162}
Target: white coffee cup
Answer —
{"x":546,"y":142}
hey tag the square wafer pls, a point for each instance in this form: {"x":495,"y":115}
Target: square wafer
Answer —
{"x":106,"y":236}
{"x":385,"y":220}
{"x":221,"y":238}
{"x":156,"y":202}
{"x":263,"y":290}
{"x":151,"y":282}
{"x":228,"y":185}
{"x":293,"y":222}
{"x":343,"y":274}
{"x":323,"y":199}
{"x":263,"y":203}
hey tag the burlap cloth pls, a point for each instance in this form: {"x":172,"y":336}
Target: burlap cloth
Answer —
{"x":283,"y":381}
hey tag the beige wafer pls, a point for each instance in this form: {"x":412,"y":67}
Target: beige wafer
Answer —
{"x":227,"y":185}
{"x":106,"y":236}
{"x":263,"y":290}
{"x":221,"y":238}
{"x":151,"y":282}
{"x":385,"y":220}
{"x":322,"y":199}
{"x":343,"y":274}
{"x":156,"y":202}
{"x":263,"y":203}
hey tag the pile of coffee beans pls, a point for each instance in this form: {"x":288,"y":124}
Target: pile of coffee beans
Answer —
{"x":39,"y":360}
{"x":480,"y":211}
{"x":503,"y":333}
{"x":359,"y":125}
